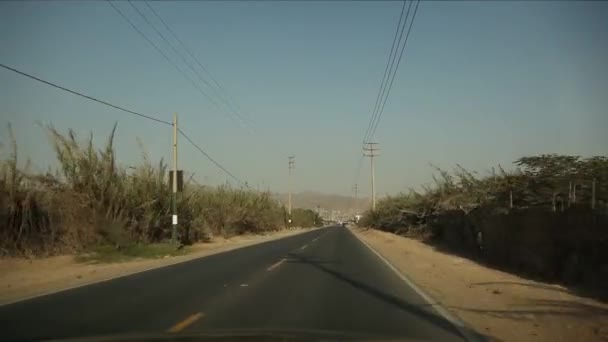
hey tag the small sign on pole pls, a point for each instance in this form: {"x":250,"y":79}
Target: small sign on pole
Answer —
{"x":180,"y":180}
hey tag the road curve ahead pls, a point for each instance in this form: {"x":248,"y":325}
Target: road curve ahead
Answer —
{"x":322,"y":280}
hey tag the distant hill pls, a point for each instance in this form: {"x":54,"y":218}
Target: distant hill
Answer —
{"x":310,"y":200}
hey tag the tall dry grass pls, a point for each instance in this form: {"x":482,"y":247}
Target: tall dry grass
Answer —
{"x":91,"y":199}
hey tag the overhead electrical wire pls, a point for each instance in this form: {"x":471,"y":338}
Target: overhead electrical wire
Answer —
{"x":389,"y":74}
{"x":380,"y":92}
{"x":235,"y":105}
{"x":91,"y":98}
{"x":185,"y":61}
{"x":212,"y":160}
{"x":392,"y":70}
{"x":160,"y":51}
{"x":395,"y":72}
{"x":384,"y":76}
{"x":181,"y":72}
{"x":85,"y":96}
{"x":150,"y":42}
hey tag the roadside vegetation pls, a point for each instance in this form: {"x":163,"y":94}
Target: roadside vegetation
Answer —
{"x":108,"y":253}
{"x":547,"y":218}
{"x":91,"y":203}
{"x":553,"y":182}
{"x":305,"y":218}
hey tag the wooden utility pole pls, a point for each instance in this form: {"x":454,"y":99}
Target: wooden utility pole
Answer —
{"x":291,"y":166}
{"x":369,"y":150}
{"x":174,"y":185}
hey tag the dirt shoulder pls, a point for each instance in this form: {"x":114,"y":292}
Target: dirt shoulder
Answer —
{"x":22,"y":278}
{"x":500,"y":305}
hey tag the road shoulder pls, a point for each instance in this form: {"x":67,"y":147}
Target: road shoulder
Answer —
{"x":466,"y":332}
{"x":21,"y":279}
{"x":496,"y":304}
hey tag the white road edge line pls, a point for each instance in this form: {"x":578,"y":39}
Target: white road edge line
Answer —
{"x":458,"y":324}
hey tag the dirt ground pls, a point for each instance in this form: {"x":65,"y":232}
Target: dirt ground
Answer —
{"x":22,"y":278}
{"x":499,"y":305}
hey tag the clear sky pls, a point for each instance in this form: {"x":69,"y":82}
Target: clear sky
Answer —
{"x":481,"y":83}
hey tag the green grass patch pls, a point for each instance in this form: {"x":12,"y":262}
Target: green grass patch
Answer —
{"x":110,"y":254}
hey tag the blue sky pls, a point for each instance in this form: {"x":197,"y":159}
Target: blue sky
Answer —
{"x":481,"y":83}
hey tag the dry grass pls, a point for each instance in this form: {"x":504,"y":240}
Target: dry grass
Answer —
{"x":92,"y":202}
{"x":108,"y":254}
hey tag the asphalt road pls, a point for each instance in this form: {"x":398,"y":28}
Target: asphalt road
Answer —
{"x":323,"y":280}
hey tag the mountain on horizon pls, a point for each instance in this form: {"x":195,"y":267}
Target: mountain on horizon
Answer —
{"x":312,"y":200}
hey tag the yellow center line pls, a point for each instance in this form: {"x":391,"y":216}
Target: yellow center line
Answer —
{"x":276,"y":265}
{"x":303,"y":247}
{"x":186,"y":322}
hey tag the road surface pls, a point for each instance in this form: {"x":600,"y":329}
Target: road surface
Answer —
{"x":322,"y":280}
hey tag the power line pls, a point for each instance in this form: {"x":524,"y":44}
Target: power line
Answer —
{"x":391,"y":71}
{"x":185,"y":47}
{"x":212,"y":160}
{"x":156,"y":48}
{"x":231,"y":101}
{"x":382,"y":84}
{"x":162,"y":36}
{"x":147,"y":39}
{"x":194,"y":84}
{"x":409,"y":30}
{"x":85,"y":96}
{"x":130,"y":112}
{"x":391,"y":57}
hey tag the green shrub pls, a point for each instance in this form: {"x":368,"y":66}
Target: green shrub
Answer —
{"x":305,"y":218}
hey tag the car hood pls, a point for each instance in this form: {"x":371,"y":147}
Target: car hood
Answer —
{"x":243,"y":335}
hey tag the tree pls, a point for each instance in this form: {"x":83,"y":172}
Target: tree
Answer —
{"x":550,"y":176}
